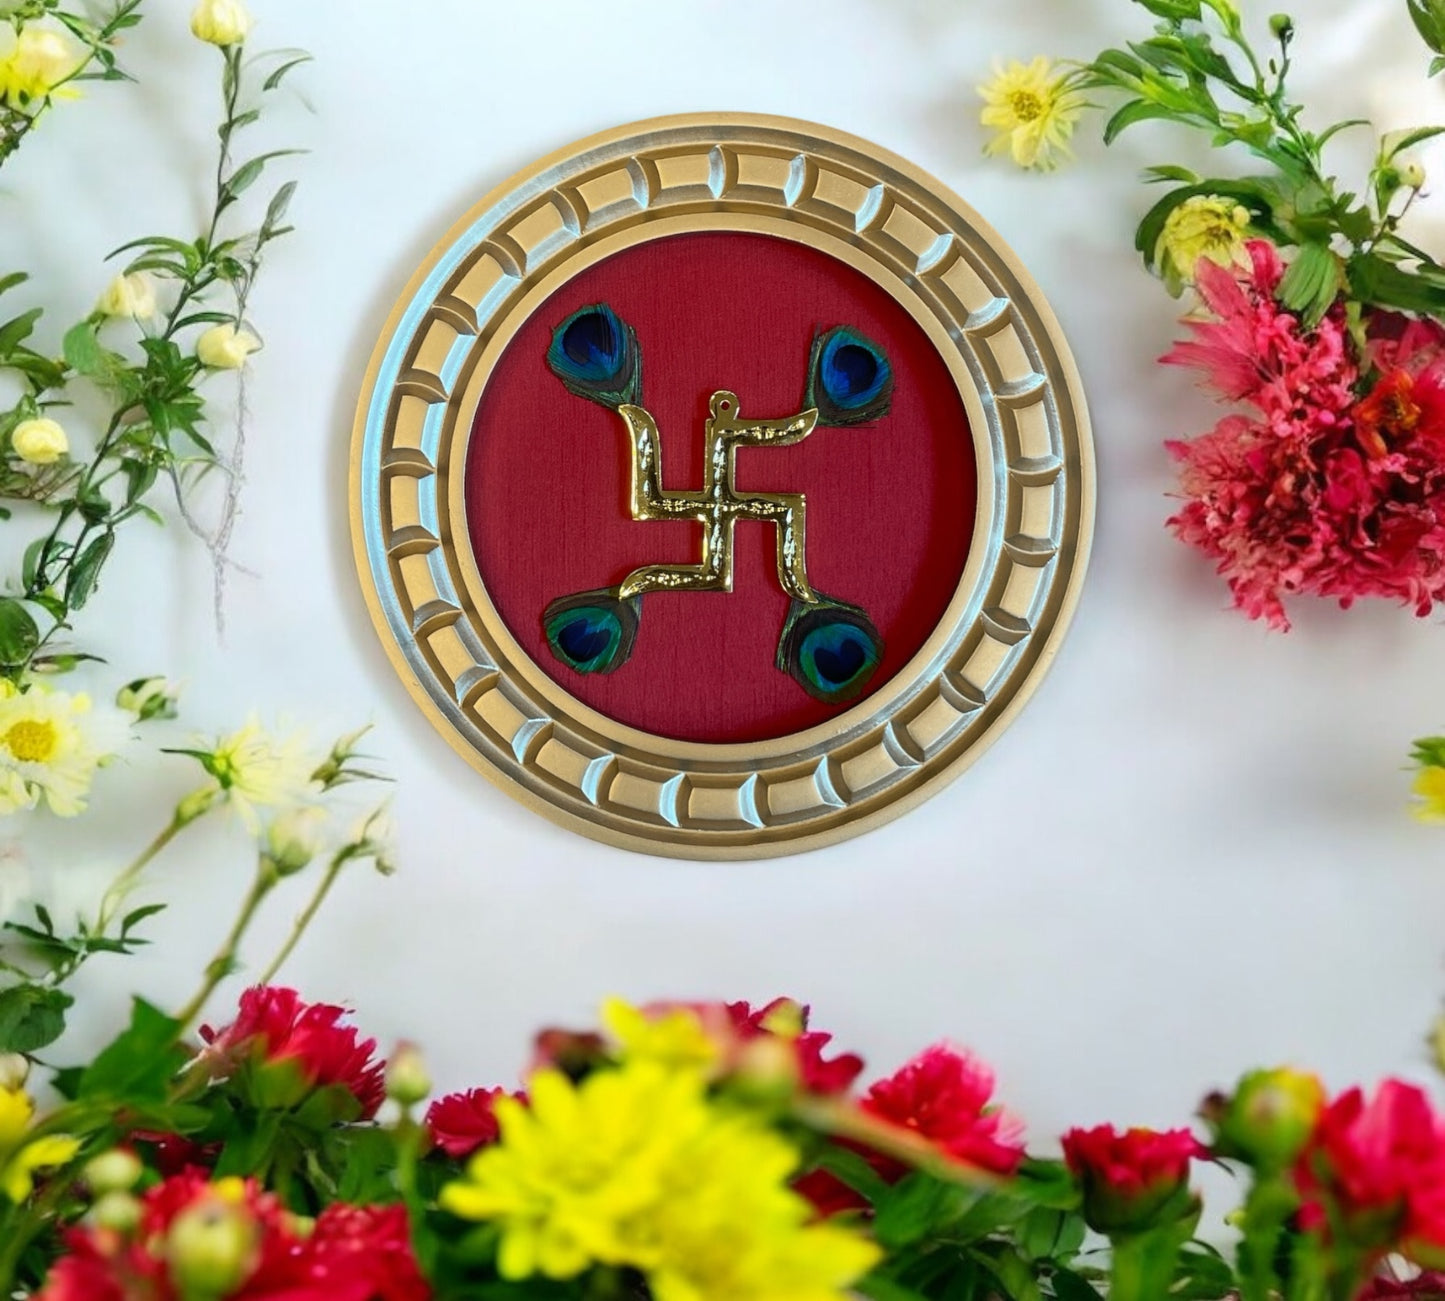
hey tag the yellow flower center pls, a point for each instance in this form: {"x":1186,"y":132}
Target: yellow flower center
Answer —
{"x":32,"y":741}
{"x":1027,"y":105}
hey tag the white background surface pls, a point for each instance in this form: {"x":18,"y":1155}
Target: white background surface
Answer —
{"x":1189,"y":856}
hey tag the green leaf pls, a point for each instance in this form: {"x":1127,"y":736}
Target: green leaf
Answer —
{"x":12,"y":280}
{"x":1410,"y":139}
{"x":1169,"y":172}
{"x":82,"y":349}
{"x":1069,"y":1286}
{"x":1312,"y":283}
{"x":1182,"y":9}
{"x":1429,"y":19}
{"x":248,"y":172}
{"x":32,"y":1017}
{"x":139,"y":1065}
{"x":1437,"y":66}
{"x":917,"y":1205}
{"x":14,"y":333}
{"x":1139,"y":110}
{"x":19,"y":636}
{"x":276,"y":210}
{"x":1376,"y":280}
{"x":276,"y":78}
{"x":86,"y":571}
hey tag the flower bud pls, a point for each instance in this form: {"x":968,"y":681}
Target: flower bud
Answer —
{"x":196,"y":805}
{"x":40,"y":441}
{"x":1281,"y":27}
{"x":14,"y":1071}
{"x":1413,"y":175}
{"x":116,"y":1171}
{"x":1269,"y":1119}
{"x":117,"y":1211}
{"x":407,"y":1079}
{"x":148,"y":698}
{"x":1134,"y":1181}
{"x":224,"y":347}
{"x":1437,"y":1043}
{"x":375,"y":837}
{"x":294,"y":839}
{"x":37,"y":61}
{"x":212,"y":1247}
{"x":221,"y":22}
{"x":767,"y":1067}
{"x":132,"y":296}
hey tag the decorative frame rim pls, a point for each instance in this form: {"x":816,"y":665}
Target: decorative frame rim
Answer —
{"x":956,"y":278}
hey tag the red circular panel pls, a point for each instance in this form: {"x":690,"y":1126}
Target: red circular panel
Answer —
{"x":890,"y":505}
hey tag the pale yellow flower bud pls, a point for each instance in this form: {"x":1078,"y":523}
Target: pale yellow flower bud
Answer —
{"x":148,"y":698}
{"x":224,"y":347}
{"x":211,"y":1248}
{"x":221,"y":22}
{"x":117,"y":1211}
{"x":1413,"y":176}
{"x":295,"y":838}
{"x":196,"y":805}
{"x":35,"y":61}
{"x":14,"y":1071}
{"x":116,"y":1171}
{"x":40,"y":441}
{"x":407,"y":1079}
{"x":132,"y":296}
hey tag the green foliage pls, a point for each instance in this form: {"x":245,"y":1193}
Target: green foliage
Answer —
{"x":32,"y":1017}
{"x":1199,"y":70}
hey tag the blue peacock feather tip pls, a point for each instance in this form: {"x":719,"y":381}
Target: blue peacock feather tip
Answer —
{"x":595,"y":354}
{"x":830,"y":650}
{"x":850,"y":379}
{"x":592,"y":632}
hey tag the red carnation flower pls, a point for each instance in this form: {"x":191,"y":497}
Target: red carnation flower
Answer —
{"x":942,"y":1095}
{"x":1374,"y":1172}
{"x":1128,"y":1179}
{"x":294,"y":1048}
{"x":231,"y":1241}
{"x":463,"y":1123}
{"x":816,"y":1073}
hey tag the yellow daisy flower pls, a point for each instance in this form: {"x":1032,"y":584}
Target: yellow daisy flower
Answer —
{"x":1205,"y":226}
{"x":675,"y":1037}
{"x":636,"y":1167}
{"x":1033,"y":109}
{"x":19,"y":1160}
{"x":254,"y":770}
{"x":50,"y":747}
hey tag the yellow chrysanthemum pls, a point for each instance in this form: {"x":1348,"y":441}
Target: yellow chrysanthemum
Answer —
{"x":635,"y":1167}
{"x":254,"y":770}
{"x":674,"y":1038}
{"x":1205,"y":226}
{"x":1033,"y":109}
{"x":1429,"y":791}
{"x":19,"y":1160}
{"x":36,"y":62}
{"x":50,"y":747}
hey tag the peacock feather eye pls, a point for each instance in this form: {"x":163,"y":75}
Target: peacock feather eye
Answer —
{"x":831,"y":650}
{"x":592,"y":632}
{"x":850,"y":379}
{"x":595,"y":354}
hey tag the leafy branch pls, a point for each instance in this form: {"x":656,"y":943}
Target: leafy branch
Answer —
{"x":1201,"y":71}
{"x":157,"y":415}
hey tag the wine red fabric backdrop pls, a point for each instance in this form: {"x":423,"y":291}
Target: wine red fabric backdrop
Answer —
{"x":890,"y":505}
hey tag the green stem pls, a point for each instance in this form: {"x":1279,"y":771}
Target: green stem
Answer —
{"x":1143,"y":1265}
{"x":307,"y":915}
{"x":224,"y":962}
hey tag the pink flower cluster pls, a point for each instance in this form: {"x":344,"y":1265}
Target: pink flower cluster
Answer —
{"x":1333,"y":482}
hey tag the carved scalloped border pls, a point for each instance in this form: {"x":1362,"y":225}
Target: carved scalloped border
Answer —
{"x":1035,"y":468}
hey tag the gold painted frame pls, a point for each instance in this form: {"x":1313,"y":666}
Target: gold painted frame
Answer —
{"x":1003,"y":348}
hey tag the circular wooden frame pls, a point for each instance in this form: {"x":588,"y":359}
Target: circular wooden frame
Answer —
{"x":954,"y":276}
